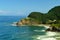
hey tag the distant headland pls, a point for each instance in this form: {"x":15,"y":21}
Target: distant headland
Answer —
{"x":52,"y":18}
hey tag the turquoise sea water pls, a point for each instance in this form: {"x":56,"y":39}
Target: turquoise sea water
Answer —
{"x":11,"y":32}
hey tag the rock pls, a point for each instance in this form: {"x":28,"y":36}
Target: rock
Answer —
{"x":48,"y":29}
{"x":53,"y":29}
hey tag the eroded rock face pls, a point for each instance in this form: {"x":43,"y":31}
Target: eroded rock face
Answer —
{"x":27,"y":21}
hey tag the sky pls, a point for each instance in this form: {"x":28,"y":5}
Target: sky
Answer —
{"x":25,"y":7}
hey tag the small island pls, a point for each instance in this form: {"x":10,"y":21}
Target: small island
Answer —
{"x":51,"y":18}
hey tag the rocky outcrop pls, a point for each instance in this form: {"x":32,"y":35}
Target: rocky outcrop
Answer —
{"x":54,"y":29}
{"x":37,"y":18}
{"x":27,"y":21}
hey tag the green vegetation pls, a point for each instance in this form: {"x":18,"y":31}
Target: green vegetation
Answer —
{"x":56,"y":25}
{"x":40,"y":17}
{"x":54,"y":13}
{"x":52,"y":17}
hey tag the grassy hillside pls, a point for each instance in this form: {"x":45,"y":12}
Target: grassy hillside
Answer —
{"x":53,"y":16}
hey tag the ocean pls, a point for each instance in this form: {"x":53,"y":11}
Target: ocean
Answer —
{"x":12,"y":32}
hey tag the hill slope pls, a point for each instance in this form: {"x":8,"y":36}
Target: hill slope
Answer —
{"x":53,"y":14}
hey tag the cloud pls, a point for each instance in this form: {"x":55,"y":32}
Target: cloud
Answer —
{"x":2,"y":11}
{"x":13,"y":13}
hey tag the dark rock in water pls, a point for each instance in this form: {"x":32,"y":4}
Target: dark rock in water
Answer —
{"x":16,"y":23}
{"x":53,"y":29}
{"x":48,"y":29}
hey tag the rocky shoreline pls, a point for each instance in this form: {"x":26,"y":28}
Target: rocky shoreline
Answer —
{"x":48,"y":27}
{"x":54,"y":29}
{"x":30,"y":22}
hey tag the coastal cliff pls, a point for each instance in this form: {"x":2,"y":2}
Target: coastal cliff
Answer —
{"x":36,"y":18}
{"x":27,"y":21}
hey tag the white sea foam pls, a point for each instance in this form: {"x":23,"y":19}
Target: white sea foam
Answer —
{"x":51,"y":33}
{"x":45,"y":38}
{"x":46,"y":26}
{"x":38,"y":38}
{"x":39,"y":30}
{"x":43,"y":30}
{"x":14,"y":24}
{"x":48,"y":39}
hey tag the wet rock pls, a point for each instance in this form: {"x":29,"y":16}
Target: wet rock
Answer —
{"x":53,"y":29}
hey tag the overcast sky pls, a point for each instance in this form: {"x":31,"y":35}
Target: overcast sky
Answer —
{"x":24,"y":7}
